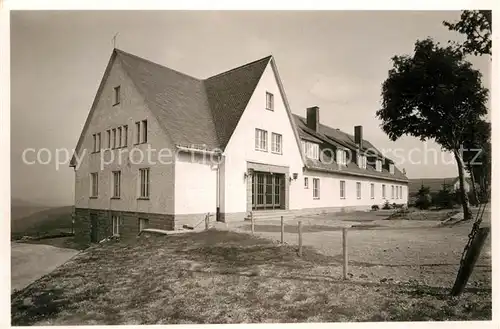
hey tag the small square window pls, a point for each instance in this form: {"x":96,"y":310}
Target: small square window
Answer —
{"x":306,"y":182}
{"x":116,"y":96}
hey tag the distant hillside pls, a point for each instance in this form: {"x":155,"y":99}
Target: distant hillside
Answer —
{"x":44,"y":221}
{"x":435,"y":184}
{"x":21,"y":208}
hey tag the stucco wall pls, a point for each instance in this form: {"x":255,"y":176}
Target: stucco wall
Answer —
{"x":106,"y":116}
{"x":241,"y":147}
{"x":195,"y":184}
{"x":330,"y":191}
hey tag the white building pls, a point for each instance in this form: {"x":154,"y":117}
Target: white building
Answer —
{"x":227,"y":145}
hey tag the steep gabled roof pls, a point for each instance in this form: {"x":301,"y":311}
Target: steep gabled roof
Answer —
{"x":229,"y":93}
{"x":177,"y":100}
{"x":192,"y":112}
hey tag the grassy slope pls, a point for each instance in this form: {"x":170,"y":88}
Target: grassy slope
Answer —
{"x":222,"y":277}
{"x":43,"y":222}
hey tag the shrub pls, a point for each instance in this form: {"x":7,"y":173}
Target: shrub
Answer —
{"x":386,"y":205}
{"x":424,"y":199}
{"x":445,"y":198}
{"x":375,"y":207}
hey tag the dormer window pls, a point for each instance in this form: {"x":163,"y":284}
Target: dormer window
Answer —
{"x":391,"y":168}
{"x":362,"y":161}
{"x":311,"y":150}
{"x":116,"y":95}
{"x":378,"y":165}
{"x":342,"y":157}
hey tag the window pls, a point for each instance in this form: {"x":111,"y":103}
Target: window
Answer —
{"x":383,"y":191}
{"x":108,"y":132}
{"x":94,"y":185}
{"x":117,"y":175}
{"x":311,"y":150}
{"x":119,"y":137}
{"x":397,"y":192}
{"x":392,"y":191}
{"x":276,"y":143}
{"x":141,"y":132}
{"x":144,"y":131}
{"x":391,"y":168}
{"x":401,"y":192}
{"x":269,"y":101}
{"x":260,"y":140}
{"x":143,"y":223}
{"x":362,"y":161}
{"x":306,"y":182}
{"x":342,"y":157}
{"x":97,"y":142}
{"x":315,"y":188}
{"x":358,"y":190}
{"x":378,"y":165}
{"x":113,"y":144}
{"x":116,"y":99}
{"x":116,"y":225}
{"x":372,"y":191}
{"x":137,"y":132}
{"x":125,"y":135}
{"x":144,"y":183}
{"x":342,"y":189}
{"x":94,"y":138}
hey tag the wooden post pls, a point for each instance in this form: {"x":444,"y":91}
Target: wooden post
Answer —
{"x":207,"y":222}
{"x":470,"y":260}
{"x":282,"y":230}
{"x":253,"y":223}
{"x":300,"y":238}
{"x":344,"y":252}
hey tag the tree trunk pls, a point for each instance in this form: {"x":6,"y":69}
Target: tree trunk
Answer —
{"x":461,"y":176}
{"x":474,"y":189}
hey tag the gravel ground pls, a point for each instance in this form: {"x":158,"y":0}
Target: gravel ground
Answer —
{"x":395,"y":250}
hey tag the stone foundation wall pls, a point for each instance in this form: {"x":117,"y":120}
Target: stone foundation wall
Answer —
{"x":129,"y":225}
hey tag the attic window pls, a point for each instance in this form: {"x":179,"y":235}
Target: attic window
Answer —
{"x":342,"y":157}
{"x":269,"y":101}
{"x":378,"y":165}
{"x":391,"y":168}
{"x":116,"y":96}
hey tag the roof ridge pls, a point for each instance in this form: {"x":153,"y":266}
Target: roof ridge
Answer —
{"x":154,"y":63}
{"x":239,"y":67}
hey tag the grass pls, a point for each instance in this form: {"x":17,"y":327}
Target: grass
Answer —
{"x":222,"y":277}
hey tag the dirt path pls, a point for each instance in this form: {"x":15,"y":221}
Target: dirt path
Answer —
{"x":32,"y":261}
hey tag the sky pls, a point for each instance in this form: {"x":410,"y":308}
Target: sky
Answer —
{"x":336,"y":60}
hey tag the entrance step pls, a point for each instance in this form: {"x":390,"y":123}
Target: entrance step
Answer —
{"x":272,"y":214}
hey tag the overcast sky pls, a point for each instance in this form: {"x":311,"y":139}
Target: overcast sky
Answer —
{"x":335,"y":60}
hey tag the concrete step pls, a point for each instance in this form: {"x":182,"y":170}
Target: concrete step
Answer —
{"x":272,"y":214}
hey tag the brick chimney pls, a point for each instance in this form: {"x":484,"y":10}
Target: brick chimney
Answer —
{"x":358,"y":136}
{"x":313,"y":118}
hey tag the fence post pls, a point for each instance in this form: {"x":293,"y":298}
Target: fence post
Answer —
{"x":344,"y":252}
{"x":300,"y":238}
{"x":282,"y":230}
{"x":206,"y":221}
{"x":253,"y":223}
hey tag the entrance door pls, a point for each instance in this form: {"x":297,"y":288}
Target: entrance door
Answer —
{"x":267,"y":190}
{"x":93,"y":228}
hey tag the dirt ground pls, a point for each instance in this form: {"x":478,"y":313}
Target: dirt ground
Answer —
{"x":29,"y":262}
{"x":393,"y":250}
